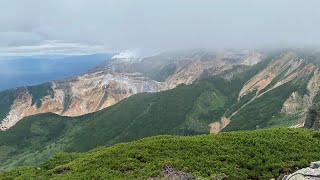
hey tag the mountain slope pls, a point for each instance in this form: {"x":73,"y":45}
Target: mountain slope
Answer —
{"x":202,"y":107}
{"x":139,"y":116}
{"x":268,"y":94}
{"x":278,"y":96}
{"x":185,"y":110}
{"x":115,"y":80}
{"x":35,"y":139}
{"x":259,"y":154}
{"x":73,"y":97}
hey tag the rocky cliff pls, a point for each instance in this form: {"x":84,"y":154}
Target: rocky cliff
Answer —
{"x":80,"y":95}
{"x":312,"y":120}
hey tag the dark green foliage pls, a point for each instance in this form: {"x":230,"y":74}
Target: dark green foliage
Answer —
{"x":300,"y":84}
{"x":216,"y":97}
{"x":67,"y":99}
{"x":7,"y":98}
{"x":60,"y":158}
{"x":259,"y":112}
{"x":316,"y":99}
{"x":43,"y":127}
{"x":262,"y":110}
{"x":207,"y":108}
{"x":244,"y":99}
{"x":285,"y":120}
{"x":139,"y":116}
{"x":34,"y":134}
{"x":260,"y":154}
{"x":231,"y":89}
{"x":40,"y":91}
{"x":25,"y":173}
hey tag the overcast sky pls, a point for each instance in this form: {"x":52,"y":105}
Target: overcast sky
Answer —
{"x":30,"y":27}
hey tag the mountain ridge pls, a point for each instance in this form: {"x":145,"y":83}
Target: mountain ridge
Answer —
{"x":118,"y":79}
{"x":202,"y":107}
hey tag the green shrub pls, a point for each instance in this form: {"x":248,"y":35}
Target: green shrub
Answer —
{"x":258,"y":154}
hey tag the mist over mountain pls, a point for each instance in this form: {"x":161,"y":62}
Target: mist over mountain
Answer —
{"x":112,"y":25}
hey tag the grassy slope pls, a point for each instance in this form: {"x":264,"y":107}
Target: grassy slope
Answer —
{"x":261,"y":112}
{"x":259,"y":154}
{"x":34,"y":139}
{"x":139,"y":116}
{"x":258,"y":113}
{"x":285,"y":120}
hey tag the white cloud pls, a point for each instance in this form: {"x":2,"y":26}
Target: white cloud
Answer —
{"x":154,"y":24}
{"x":127,"y":54}
{"x":52,"y":48}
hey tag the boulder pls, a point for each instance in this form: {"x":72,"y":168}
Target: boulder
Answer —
{"x":309,"y":173}
{"x":315,"y":165}
{"x":169,"y":173}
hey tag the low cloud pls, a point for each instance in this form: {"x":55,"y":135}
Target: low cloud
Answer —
{"x":51,"y":48}
{"x":127,"y":54}
{"x":82,"y":26}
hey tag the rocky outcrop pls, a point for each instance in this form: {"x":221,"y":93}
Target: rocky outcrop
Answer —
{"x":314,"y":84}
{"x":313,"y":118}
{"x":169,"y":173}
{"x":81,"y":95}
{"x":216,"y":127}
{"x":252,"y":60}
{"x":309,"y":173}
{"x":286,"y":65}
{"x":295,"y":103}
